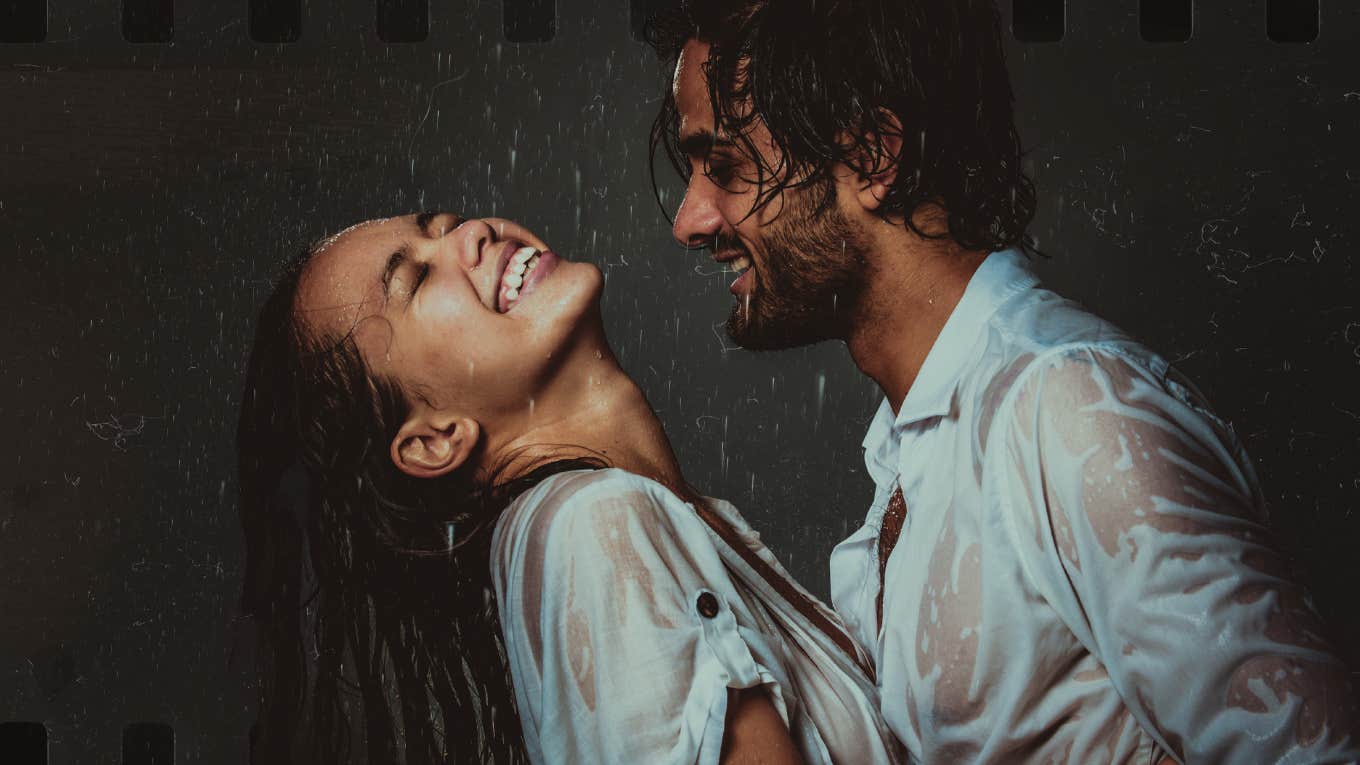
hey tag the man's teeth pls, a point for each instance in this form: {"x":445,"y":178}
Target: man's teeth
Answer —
{"x":740,"y":264}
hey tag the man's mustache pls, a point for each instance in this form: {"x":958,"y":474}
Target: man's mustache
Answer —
{"x":727,"y":244}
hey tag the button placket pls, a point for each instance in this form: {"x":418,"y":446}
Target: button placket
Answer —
{"x":893,"y":519}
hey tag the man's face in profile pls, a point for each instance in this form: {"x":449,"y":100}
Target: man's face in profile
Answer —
{"x":800,"y":272}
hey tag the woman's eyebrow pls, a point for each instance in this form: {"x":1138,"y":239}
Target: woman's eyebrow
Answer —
{"x":423,"y":221}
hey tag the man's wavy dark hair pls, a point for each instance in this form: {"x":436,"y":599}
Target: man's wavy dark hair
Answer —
{"x":819,"y":74}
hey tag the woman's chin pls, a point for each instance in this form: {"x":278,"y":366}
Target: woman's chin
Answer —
{"x":566,"y":306}
{"x":581,"y":285}
{"x":594,"y":279}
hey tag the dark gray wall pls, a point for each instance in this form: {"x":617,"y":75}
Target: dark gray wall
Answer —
{"x":1202,"y":195}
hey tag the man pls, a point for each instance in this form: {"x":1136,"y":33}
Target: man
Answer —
{"x":1066,"y":558}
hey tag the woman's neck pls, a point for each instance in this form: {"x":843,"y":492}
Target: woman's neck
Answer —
{"x":593,"y":409}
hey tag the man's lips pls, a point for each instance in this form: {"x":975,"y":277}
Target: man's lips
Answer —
{"x":727,"y":256}
{"x":745,"y":283}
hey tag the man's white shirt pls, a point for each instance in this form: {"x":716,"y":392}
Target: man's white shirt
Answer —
{"x":1084,"y":573}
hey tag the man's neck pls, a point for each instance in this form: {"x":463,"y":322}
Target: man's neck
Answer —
{"x":914,"y":286}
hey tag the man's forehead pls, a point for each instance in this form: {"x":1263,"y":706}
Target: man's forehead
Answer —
{"x":690,"y":63}
{"x":690,"y":89}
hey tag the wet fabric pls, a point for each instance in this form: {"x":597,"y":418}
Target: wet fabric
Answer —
{"x":1085,"y":573}
{"x":628,"y":621}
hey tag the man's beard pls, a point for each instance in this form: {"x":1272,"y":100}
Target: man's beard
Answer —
{"x":808,"y":282}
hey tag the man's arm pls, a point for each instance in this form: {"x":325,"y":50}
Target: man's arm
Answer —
{"x":1138,"y":517}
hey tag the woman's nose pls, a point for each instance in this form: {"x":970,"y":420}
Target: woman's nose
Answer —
{"x":469,"y":241}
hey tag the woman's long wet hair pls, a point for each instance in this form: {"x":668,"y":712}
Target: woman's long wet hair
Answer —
{"x":376,"y":628}
{"x":818,"y":74}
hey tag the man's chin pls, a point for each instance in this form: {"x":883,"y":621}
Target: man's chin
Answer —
{"x":754,"y":332}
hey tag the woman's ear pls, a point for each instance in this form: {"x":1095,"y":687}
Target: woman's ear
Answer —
{"x":428,"y":447}
{"x":877,"y":170}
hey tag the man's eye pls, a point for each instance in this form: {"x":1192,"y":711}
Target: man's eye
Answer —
{"x":422,"y":272}
{"x":721,"y":173}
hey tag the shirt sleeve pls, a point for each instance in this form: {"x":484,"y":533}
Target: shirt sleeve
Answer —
{"x":1137,"y":515}
{"x":618,"y":618}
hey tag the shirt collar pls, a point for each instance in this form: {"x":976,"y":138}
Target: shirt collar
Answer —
{"x":1000,"y":275}
{"x":880,"y":452}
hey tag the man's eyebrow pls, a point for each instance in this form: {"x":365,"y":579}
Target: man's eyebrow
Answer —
{"x":394,"y":262}
{"x":701,"y":143}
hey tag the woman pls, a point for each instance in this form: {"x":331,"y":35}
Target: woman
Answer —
{"x":438,"y":449}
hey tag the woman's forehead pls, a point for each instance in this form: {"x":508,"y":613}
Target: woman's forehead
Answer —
{"x":342,"y":278}
{"x":363,"y":224}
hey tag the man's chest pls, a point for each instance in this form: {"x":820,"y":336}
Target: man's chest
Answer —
{"x":959,"y":612}
{"x":966,"y":641}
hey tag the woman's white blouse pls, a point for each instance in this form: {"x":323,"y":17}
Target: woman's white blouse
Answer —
{"x":627,"y":619}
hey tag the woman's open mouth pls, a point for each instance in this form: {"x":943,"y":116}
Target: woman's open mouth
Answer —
{"x":526,"y":268}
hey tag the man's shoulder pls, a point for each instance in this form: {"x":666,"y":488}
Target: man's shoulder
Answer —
{"x":1040,"y":320}
{"x":1039,"y":330}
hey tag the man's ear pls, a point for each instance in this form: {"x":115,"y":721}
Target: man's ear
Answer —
{"x":429,"y":446}
{"x":878,"y":167}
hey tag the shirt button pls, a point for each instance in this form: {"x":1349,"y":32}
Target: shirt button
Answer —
{"x":707,"y":605}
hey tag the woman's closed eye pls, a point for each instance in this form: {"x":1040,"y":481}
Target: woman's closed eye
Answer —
{"x":422,"y":272}
{"x":407,"y":279}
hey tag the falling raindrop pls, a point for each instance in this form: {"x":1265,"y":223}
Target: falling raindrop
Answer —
{"x":821,"y":396}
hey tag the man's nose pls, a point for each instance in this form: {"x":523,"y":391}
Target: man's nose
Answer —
{"x":698,"y":220}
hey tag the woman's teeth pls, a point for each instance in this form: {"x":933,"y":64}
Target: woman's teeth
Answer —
{"x":522,"y":263}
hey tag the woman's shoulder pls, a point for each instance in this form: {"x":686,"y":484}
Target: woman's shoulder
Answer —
{"x":590,"y":510}
{"x":590,"y":492}
{"x":602,"y":483}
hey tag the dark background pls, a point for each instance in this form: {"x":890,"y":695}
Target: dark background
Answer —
{"x":1201,"y":194}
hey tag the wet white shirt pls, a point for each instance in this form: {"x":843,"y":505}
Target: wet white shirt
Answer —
{"x":627,"y":619}
{"x":1084,"y":574}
